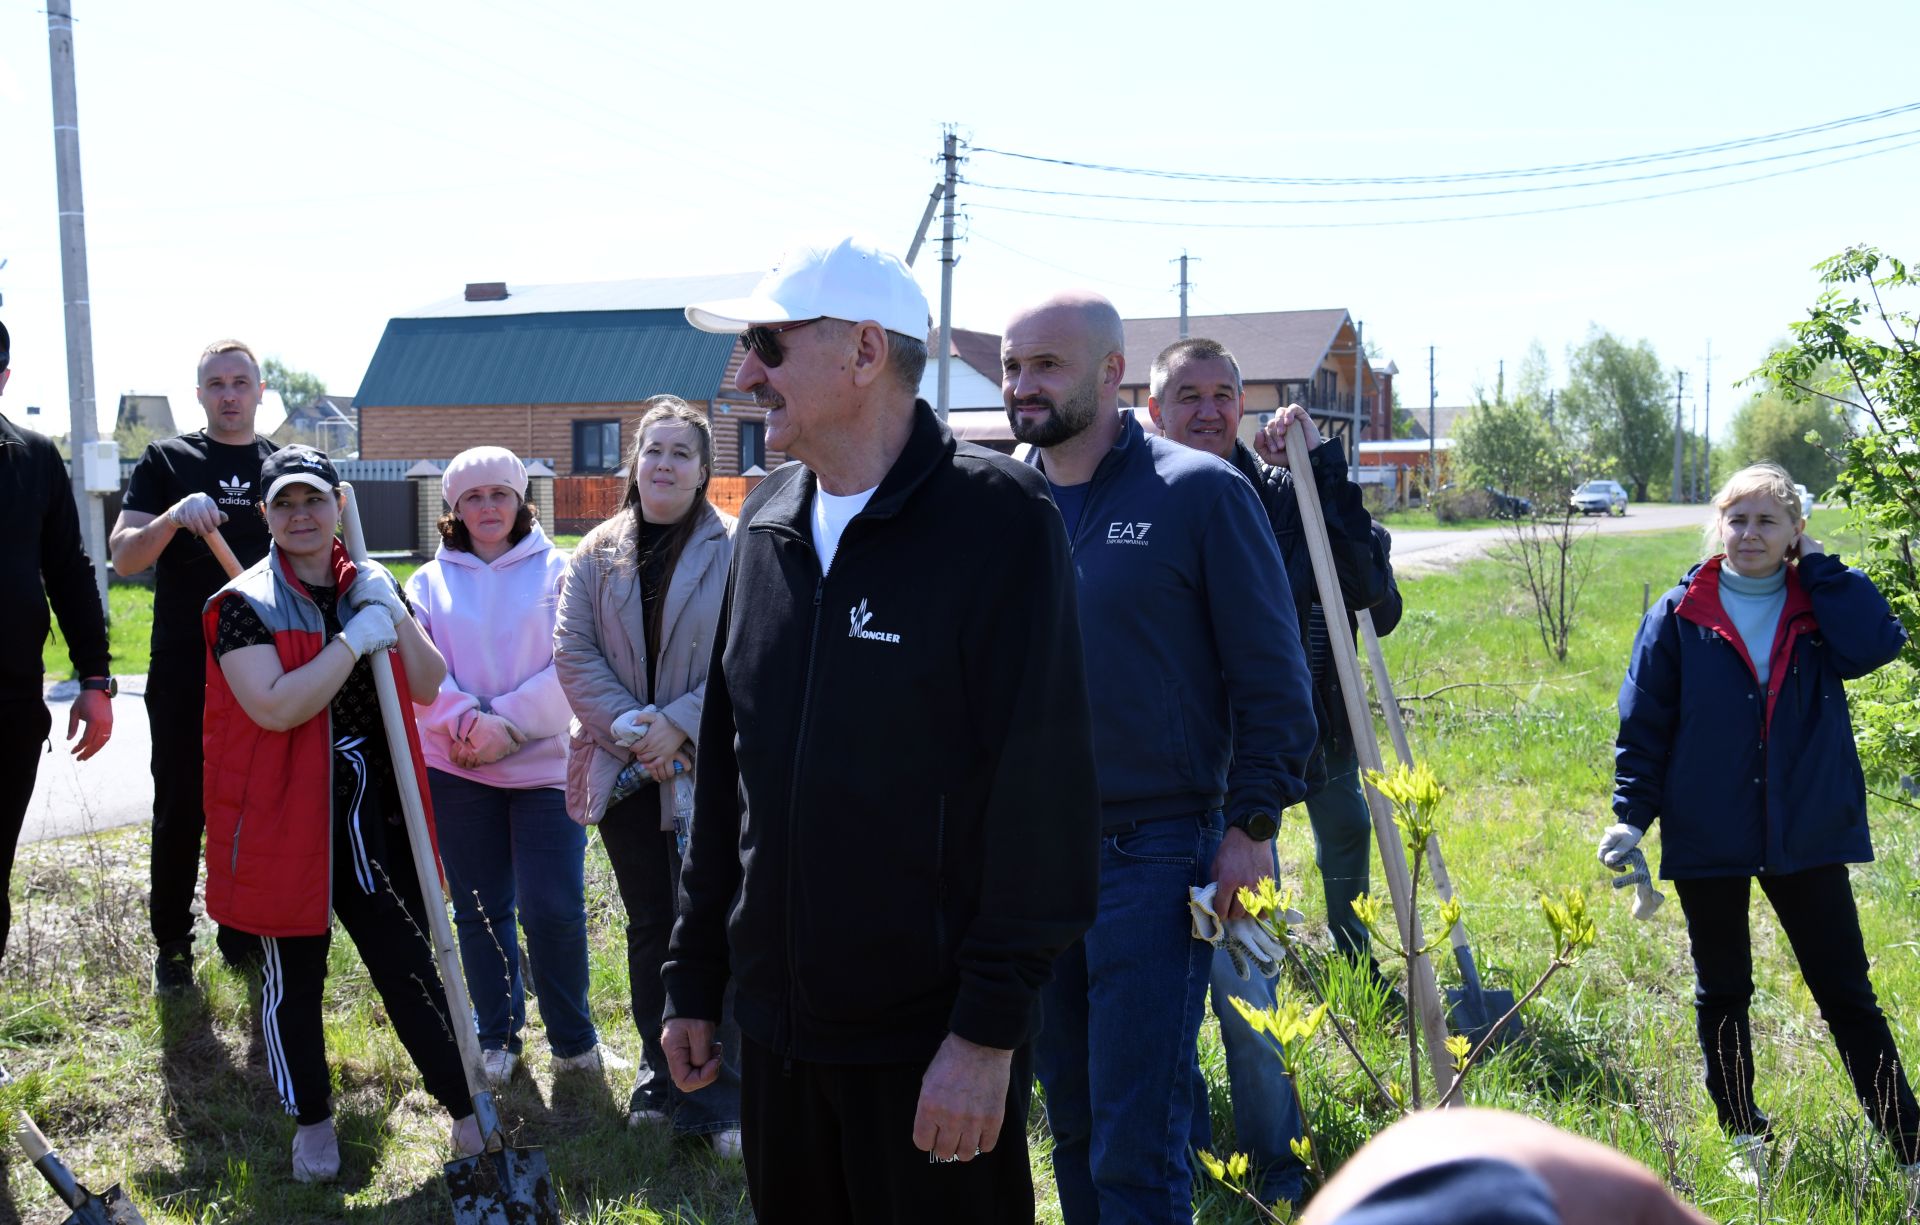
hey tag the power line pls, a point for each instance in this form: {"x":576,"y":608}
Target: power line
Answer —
{"x":1529,"y":212}
{"x":1465,"y":176}
{"x":1455,"y":195}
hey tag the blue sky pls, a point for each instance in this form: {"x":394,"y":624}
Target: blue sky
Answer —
{"x":293,"y":172}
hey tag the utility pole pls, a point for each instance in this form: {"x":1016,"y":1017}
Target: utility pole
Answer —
{"x":1433,"y":451}
{"x":1679,"y":436}
{"x":1500,"y":388}
{"x":1183,"y":295}
{"x":926,"y":219}
{"x":949,"y":153}
{"x":73,"y":278}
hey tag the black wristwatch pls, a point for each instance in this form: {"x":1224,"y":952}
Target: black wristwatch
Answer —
{"x":110,"y":685}
{"x":1257,"y":825}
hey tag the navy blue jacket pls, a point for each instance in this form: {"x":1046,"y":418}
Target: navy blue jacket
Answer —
{"x":1199,"y":685}
{"x":1746,"y":780}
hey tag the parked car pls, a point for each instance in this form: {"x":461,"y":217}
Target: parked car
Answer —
{"x":1508,"y":505}
{"x":1806,"y":501}
{"x":1600,"y":498}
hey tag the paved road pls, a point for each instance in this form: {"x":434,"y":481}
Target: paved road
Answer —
{"x":114,"y":788}
{"x":1424,"y":551}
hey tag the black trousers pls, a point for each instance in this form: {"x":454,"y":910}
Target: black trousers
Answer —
{"x":388,"y":925}
{"x":176,"y":704}
{"x":829,"y":1143}
{"x":646,"y":867}
{"x":24,"y":724}
{"x":1816,"y":910}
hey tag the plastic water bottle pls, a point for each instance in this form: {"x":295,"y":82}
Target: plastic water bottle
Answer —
{"x":682,"y":806}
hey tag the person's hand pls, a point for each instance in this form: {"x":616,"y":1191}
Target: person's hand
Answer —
{"x":370,"y":630}
{"x":693,"y":1057}
{"x":1805,"y":546}
{"x":656,"y":749}
{"x":94,"y":709}
{"x":628,"y":728}
{"x":963,"y":1100}
{"x":1617,"y":841}
{"x":376,"y":586}
{"x":489,"y":738}
{"x":1590,"y":1183}
{"x":1240,"y":864}
{"x":1270,"y":442}
{"x":197,"y":513}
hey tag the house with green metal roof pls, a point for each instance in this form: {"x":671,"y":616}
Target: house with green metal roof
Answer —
{"x":556,"y":370}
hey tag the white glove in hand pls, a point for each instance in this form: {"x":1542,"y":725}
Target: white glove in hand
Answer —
{"x":1247,"y":943}
{"x":376,"y":586}
{"x":628,"y":728}
{"x":1616,"y":842}
{"x":1263,"y":950}
{"x":197,"y":513}
{"x":370,"y":630}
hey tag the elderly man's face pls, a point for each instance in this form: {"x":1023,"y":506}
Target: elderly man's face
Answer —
{"x":1050,"y":375}
{"x":805,"y":395}
{"x":1202,"y":405}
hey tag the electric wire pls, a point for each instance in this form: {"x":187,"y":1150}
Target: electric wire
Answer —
{"x":1464,"y":176}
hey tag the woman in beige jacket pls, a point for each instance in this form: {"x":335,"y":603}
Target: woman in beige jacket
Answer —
{"x":638,"y":611}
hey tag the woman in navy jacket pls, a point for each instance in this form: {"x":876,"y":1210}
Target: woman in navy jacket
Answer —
{"x":1734,"y":733}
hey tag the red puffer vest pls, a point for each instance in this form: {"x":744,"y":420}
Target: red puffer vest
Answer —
{"x":269,"y":795}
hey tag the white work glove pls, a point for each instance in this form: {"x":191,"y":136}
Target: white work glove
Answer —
{"x":628,"y":728}
{"x":1247,"y":944}
{"x":370,"y":630}
{"x":376,"y":587}
{"x":1616,"y":842}
{"x":197,"y":513}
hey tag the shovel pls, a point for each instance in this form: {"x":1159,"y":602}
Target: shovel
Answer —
{"x":500,"y":1185}
{"x":1474,"y":1009}
{"x":113,"y":1208}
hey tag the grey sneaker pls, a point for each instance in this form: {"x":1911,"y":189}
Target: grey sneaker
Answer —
{"x":499,"y":1067}
{"x":316,"y":1152}
{"x":727,"y":1146}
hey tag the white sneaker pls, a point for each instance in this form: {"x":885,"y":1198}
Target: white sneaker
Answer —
{"x":586,"y":1061}
{"x":467,"y":1140}
{"x":727,"y":1146}
{"x":316,"y":1152}
{"x":638,"y":1119}
{"x":498,"y":1066}
{"x":1748,"y":1163}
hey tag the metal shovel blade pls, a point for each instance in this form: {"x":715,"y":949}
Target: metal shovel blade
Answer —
{"x":1473,"y":1009}
{"x":112,"y":1208}
{"x":507,"y":1186}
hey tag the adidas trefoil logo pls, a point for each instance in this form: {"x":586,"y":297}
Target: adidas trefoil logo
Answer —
{"x":233,"y":490}
{"x":857,"y":618}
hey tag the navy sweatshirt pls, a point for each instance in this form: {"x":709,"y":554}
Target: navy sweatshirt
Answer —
{"x":1199,"y":686}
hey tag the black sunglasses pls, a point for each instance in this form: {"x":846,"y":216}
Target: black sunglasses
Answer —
{"x":762,"y":340}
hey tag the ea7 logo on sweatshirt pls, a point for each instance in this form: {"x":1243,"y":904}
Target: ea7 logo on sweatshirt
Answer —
{"x":1127,"y":533}
{"x":857,"y":618}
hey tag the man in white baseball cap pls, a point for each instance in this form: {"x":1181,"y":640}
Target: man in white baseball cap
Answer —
{"x":905,"y":811}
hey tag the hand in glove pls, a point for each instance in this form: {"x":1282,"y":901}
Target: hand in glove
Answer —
{"x":376,"y":586}
{"x":488,"y":739}
{"x":1616,"y":842}
{"x":1248,"y":945}
{"x":197,"y":513}
{"x":630,"y":727}
{"x":370,"y":630}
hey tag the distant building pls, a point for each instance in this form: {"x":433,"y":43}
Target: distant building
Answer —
{"x":557,"y":370}
{"x":152,"y":413}
{"x":325,"y":422}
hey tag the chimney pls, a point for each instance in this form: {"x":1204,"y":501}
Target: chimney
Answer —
{"x":486,"y":291}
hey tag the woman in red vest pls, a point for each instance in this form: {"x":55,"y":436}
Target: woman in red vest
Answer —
{"x":303,"y":818}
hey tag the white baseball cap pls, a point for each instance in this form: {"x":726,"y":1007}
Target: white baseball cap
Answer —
{"x":848,"y":279}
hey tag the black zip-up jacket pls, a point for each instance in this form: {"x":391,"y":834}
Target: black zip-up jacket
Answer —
{"x":896,"y":821}
{"x":44,"y":554}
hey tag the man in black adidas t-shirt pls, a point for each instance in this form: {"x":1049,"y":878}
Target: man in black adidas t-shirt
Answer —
{"x":181,"y":489}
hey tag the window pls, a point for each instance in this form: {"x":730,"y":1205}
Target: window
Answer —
{"x":753,"y":445}
{"x":596,"y":446}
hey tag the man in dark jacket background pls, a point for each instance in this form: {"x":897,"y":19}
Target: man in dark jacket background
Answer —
{"x":44,"y":561}
{"x":1203,"y":721}
{"x":896,"y":816}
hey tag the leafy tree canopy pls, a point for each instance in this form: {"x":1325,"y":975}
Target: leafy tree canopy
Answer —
{"x":1617,"y":398}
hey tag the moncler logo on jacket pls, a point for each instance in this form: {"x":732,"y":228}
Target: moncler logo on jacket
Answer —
{"x":857,"y":618}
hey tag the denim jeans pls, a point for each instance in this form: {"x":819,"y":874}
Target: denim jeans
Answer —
{"x":1266,"y":1116}
{"x":1817,"y":911}
{"x":1342,"y":844}
{"x":514,"y":860}
{"x":1115,"y":1051}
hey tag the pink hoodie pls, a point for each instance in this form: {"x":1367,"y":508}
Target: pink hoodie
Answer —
{"x":494,"y":624}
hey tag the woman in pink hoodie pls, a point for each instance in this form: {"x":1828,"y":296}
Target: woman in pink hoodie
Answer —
{"x":496,"y":749}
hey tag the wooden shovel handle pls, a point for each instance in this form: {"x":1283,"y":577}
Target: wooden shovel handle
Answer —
{"x":31,"y":1138}
{"x":223,"y":553}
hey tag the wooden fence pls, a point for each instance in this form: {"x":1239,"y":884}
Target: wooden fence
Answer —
{"x":580,"y":503}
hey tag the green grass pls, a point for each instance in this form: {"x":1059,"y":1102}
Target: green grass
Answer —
{"x":172,"y":1105}
{"x":1420,"y":519}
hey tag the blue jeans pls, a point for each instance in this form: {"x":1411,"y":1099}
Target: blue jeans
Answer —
{"x":1120,"y":1017}
{"x":1342,"y":844}
{"x":514,"y":859}
{"x":1266,"y":1116}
